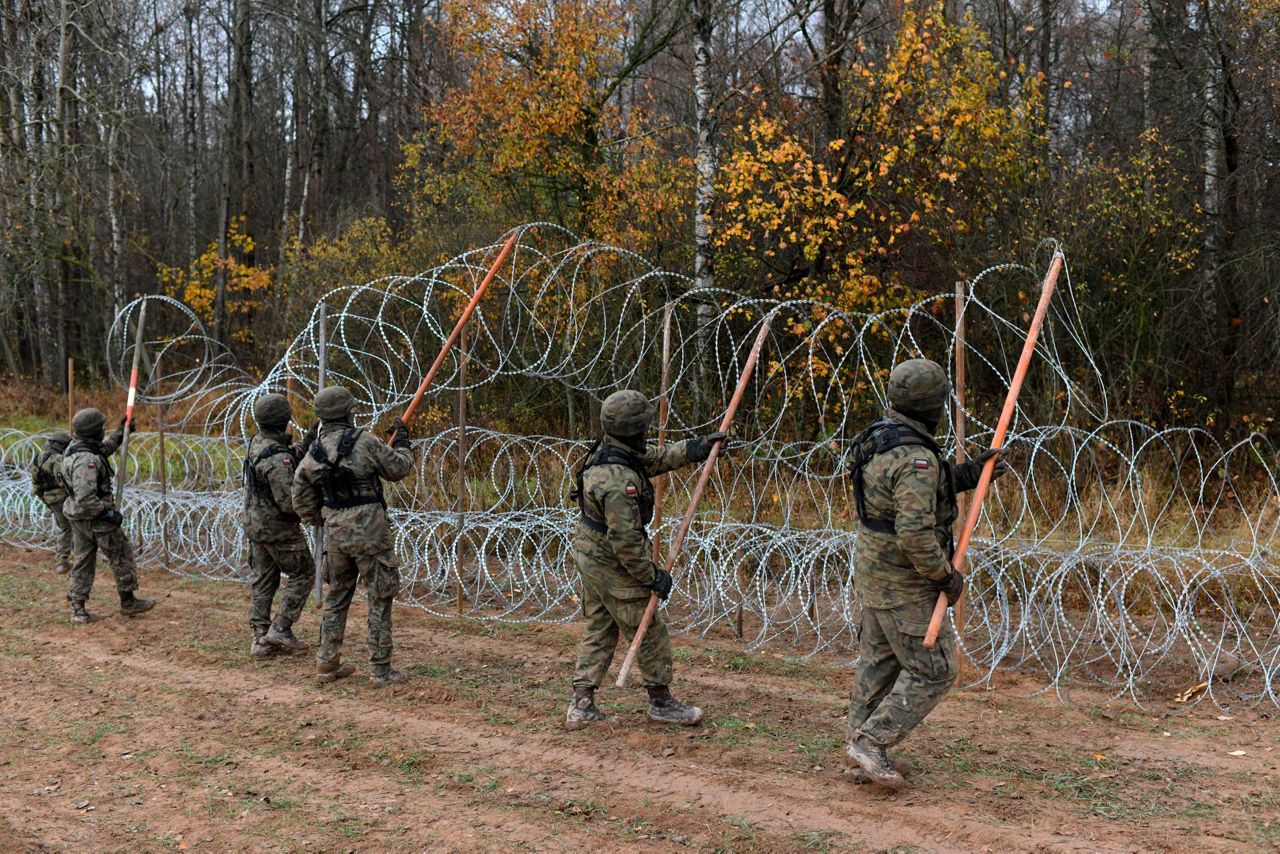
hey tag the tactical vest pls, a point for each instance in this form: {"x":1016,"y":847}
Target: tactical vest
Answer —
{"x":885,"y":435}
{"x":80,"y":446}
{"x":340,"y":486}
{"x":259,"y":485}
{"x":598,"y":456}
{"x":45,"y":481}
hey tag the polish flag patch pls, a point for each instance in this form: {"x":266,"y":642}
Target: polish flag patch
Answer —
{"x":921,"y":464}
{"x":631,"y":489}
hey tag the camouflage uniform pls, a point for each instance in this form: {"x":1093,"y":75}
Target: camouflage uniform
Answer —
{"x":613,"y":553}
{"x":46,"y":484}
{"x":277,"y":544}
{"x":95,"y":522}
{"x":347,"y":499}
{"x":902,"y":561}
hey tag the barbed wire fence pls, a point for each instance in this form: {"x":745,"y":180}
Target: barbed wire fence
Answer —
{"x":1115,"y":555}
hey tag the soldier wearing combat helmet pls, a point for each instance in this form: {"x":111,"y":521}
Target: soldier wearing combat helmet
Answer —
{"x":339,"y":485}
{"x":46,"y":484}
{"x":906,"y":498}
{"x":95,"y":521}
{"x":612,"y":550}
{"x":276,"y":543}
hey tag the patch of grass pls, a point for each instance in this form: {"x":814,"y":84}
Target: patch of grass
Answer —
{"x":212,"y":761}
{"x":816,"y":840}
{"x":431,"y":671}
{"x":586,"y":809}
{"x":91,"y":736}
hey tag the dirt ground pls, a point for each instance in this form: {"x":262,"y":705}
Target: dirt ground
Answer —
{"x":160,"y":733}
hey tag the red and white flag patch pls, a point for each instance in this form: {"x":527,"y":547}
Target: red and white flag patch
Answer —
{"x":920,"y":464}
{"x":631,"y":489}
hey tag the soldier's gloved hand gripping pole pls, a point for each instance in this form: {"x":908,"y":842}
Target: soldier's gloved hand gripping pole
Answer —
{"x":129,"y":405}
{"x":997,"y":442}
{"x":453,"y":336}
{"x":707,"y":467}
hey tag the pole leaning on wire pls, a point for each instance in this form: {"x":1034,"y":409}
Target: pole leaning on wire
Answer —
{"x":704,"y":477}
{"x":129,"y":405}
{"x":997,"y":442}
{"x":457,"y":330}
{"x":322,"y":380}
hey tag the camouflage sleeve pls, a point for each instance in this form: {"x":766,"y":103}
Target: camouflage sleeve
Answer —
{"x":35,"y":479}
{"x":626,"y":533}
{"x":915,"y":496}
{"x":392,"y":463}
{"x":112,"y":443}
{"x":84,"y":486}
{"x":660,"y":459}
{"x":304,"y":496}
{"x":279,"y":476}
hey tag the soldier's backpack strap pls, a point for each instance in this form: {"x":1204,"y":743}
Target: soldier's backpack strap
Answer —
{"x":340,"y":486}
{"x":256,"y":483}
{"x":44,"y":481}
{"x":80,"y":446}
{"x":598,"y":456}
{"x":882,"y":436}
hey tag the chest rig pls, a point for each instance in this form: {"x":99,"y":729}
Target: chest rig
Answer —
{"x":339,"y":485}
{"x":598,"y":456}
{"x":882,"y":436}
{"x":256,"y":485}
{"x":46,"y":481}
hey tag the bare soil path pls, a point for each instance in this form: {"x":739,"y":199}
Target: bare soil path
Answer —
{"x":161,"y":734}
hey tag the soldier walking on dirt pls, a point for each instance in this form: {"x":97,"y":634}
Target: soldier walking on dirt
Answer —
{"x":277,"y":544}
{"x":95,"y":521}
{"x":906,"y":499}
{"x":338,"y":484}
{"x":46,"y":484}
{"x":614,"y":557}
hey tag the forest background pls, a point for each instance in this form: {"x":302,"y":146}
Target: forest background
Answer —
{"x":246,"y":157}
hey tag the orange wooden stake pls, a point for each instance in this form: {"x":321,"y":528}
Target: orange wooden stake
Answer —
{"x":709,"y":466}
{"x":1002,"y":428}
{"x":457,"y":329}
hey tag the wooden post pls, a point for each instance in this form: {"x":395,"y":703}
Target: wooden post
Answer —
{"x":322,"y":379}
{"x":164,"y":471}
{"x":130,"y":402}
{"x":959,"y":422}
{"x":664,"y":411}
{"x":463,"y":503}
{"x":71,"y":390}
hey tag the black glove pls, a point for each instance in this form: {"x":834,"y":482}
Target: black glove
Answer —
{"x":662,"y":583}
{"x":952,"y":585}
{"x":124,"y":422}
{"x":114,"y":517}
{"x":699,"y":447}
{"x":308,"y":439}
{"x":1001,"y":469}
{"x":400,"y":435}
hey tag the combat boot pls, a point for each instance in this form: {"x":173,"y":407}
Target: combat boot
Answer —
{"x":283,"y":639}
{"x":332,"y":671}
{"x":63,"y":566}
{"x":79,"y":614}
{"x":855,"y":775}
{"x":583,"y":712}
{"x":874,"y":762}
{"x":261,"y":649}
{"x":666,"y":709}
{"x":384,"y":676}
{"x":131,"y":606}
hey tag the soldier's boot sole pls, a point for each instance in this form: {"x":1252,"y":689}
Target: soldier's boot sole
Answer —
{"x":684,"y":716}
{"x":868,"y":761}
{"x":137,"y":606}
{"x":341,"y":672}
{"x":855,"y":775}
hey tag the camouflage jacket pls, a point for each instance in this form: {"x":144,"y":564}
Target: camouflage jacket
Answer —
{"x":915,"y":489}
{"x":360,"y":530}
{"x":86,"y":474}
{"x":268,"y":490}
{"x":614,"y":494}
{"x":46,"y":478}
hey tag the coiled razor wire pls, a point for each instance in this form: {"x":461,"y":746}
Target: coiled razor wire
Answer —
{"x":1114,"y":555}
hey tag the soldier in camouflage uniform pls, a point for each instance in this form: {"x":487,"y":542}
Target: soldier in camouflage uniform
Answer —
{"x":614,"y":557}
{"x":339,"y":485}
{"x":906,"y":497}
{"x":46,"y":484}
{"x":95,"y":521}
{"x":277,"y":544}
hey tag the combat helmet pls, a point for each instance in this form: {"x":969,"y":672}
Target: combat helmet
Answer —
{"x":334,"y":403}
{"x":918,"y":386}
{"x":59,"y":439}
{"x":626,"y":413}
{"x":272,"y":411}
{"x":88,"y":423}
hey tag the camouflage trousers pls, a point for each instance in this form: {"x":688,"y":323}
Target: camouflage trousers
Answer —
{"x":86,"y":539}
{"x":897,"y":681}
{"x":381,"y":574}
{"x":64,"y":535}
{"x":269,"y":562}
{"x":614,"y":604}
